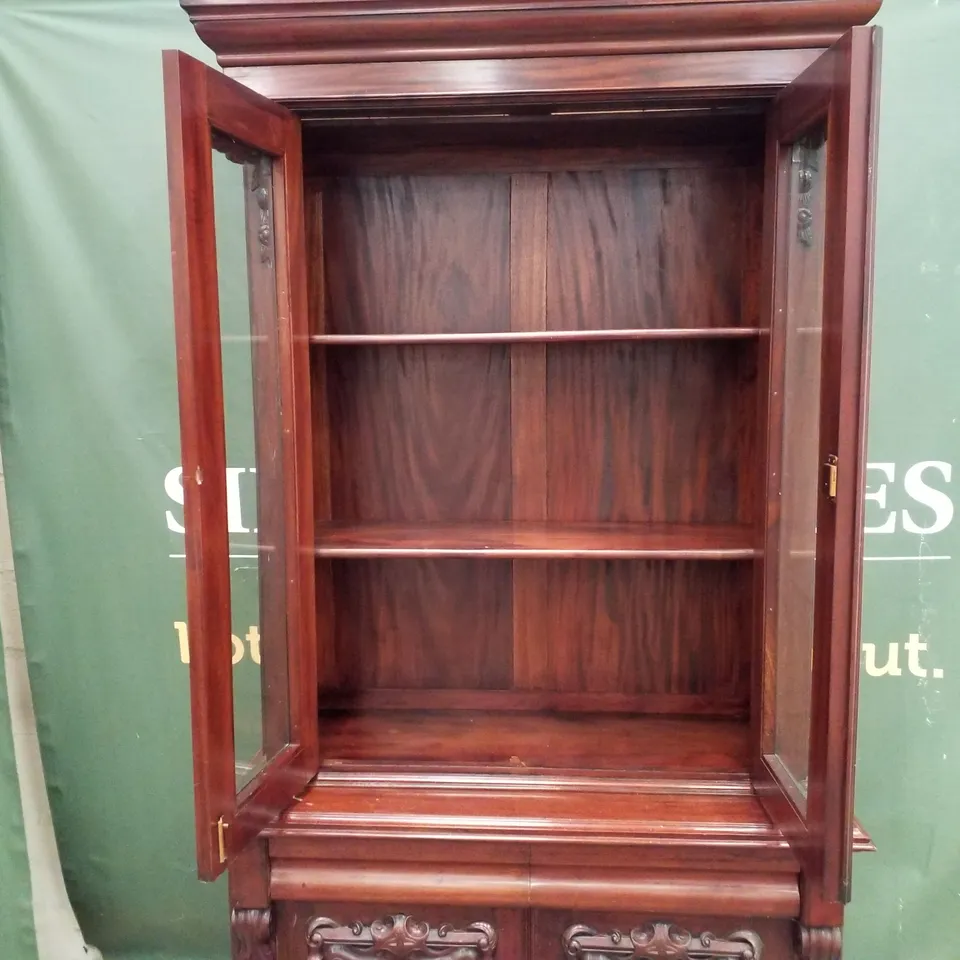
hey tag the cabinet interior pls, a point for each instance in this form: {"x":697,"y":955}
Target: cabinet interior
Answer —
{"x":539,"y":458}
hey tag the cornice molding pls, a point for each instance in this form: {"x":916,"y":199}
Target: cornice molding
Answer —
{"x":266,"y":32}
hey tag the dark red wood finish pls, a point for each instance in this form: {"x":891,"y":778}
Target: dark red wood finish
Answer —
{"x":420,"y":625}
{"x":200,"y":100}
{"x":318,"y":31}
{"x":545,"y":540}
{"x":523,"y":741}
{"x":544,"y":414}
{"x":198,"y":359}
{"x":840,"y":90}
{"x":509,"y":925}
{"x":419,"y":433}
{"x":550,"y":926}
{"x":453,"y":451}
{"x":459,"y":87}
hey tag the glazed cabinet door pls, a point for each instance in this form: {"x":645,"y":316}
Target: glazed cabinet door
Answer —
{"x":819,"y":234}
{"x":239,"y":296}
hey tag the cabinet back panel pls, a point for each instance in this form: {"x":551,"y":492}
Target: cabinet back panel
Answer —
{"x":658,"y":636}
{"x":651,"y":432}
{"x":417,"y":254}
{"x":634,"y":432}
{"x":637,"y":627}
{"x":645,"y":248}
{"x":655,"y":246}
{"x":619,"y":431}
{"x":419,"y":433}
{"x":421,"y":624}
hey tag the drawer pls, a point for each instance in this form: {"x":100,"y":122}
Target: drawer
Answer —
{"x":357,"y":930}
{"x":451,"y":932}
{"x":560,"y":934}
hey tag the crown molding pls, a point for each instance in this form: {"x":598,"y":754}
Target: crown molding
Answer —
{"x":272,"y":32}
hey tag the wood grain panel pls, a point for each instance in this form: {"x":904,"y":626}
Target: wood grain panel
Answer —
{"x":660,"y":432}
{"x":528,"y":402}
{"x":518,"y":740}
{"x":645,"y":248}
{"x":668,"y":891}
{"x":420,"y":433}
{"x":428,"y":254}
{"x":528,"y":229}
{"x":645,"y":627}
{"x":423,"y":624}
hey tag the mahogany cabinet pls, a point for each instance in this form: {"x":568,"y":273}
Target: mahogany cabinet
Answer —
{"x":544,"y":326}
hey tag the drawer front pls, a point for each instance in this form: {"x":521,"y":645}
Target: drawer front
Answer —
{"x":398,"y":931}
{"x":588,"y":935}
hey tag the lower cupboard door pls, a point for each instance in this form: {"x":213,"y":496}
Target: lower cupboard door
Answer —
{"x":562,"y":934}
{"x":398,"y":931}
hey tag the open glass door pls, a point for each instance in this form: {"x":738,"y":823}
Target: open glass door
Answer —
{"x":243,"y":369}
{"x":819,"y":176}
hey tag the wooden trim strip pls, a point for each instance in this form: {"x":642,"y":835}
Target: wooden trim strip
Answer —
{"x":537,"y":886}
{"x":466,"y":84}
{"x":531,"y":699}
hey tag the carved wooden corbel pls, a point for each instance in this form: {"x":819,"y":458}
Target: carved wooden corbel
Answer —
{"x":820,"y":943}
{"x":806,"y":156}
{"x":398,"y":938}
{"x":654,"y":940}
{"x":251,"y":934}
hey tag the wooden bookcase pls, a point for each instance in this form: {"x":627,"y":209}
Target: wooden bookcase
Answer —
{"x":545,"y":329}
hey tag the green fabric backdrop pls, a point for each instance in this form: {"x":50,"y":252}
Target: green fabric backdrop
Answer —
{"x":89,"y":429}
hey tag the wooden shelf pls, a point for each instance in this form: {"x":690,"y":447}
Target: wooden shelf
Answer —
{"x":560,"y":541}
{"x":523,"y":742}
{"x":536,"y":336}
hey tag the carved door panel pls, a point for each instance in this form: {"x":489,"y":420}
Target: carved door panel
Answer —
{"x":243,"y":369}
{"x":358,"y":931}
{"x":819,"y":170}
{"x":562,"y":934}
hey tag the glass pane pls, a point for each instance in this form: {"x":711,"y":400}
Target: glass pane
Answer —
{"x":246,"y":269}
{"x":800,"y":467}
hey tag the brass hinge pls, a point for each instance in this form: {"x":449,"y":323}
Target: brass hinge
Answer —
{"x":830,"y":482}
{"x":222,"y":839}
